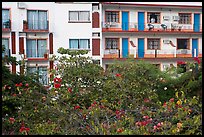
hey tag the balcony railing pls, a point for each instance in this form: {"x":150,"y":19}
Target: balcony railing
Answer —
{"x":40,"y":26}
{"x":133,"y":26}
{"x":6,"y":25}
{"x":150,"y":53}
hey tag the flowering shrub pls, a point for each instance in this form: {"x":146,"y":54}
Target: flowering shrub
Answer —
{"x":84,"y":100}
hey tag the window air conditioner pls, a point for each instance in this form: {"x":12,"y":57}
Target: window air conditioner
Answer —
{"x":166,"y":41}
{"x":166,"y":17}
{"x":21,"y":5}
{"x":176,"y":18}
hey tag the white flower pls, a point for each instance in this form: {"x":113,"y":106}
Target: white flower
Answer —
{"x":165,"y":88}
{"x":56,"y":91}
{"x":54,"y":99}
{"x":98,"y":82}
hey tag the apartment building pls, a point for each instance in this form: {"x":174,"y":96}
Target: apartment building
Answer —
{"x":34,"y":31}
{"x":161,"y":34}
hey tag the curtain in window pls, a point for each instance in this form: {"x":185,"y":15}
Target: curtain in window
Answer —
{"x":33,"y":20}
{"x":42,"y":20}
{"x":31,"y":48}
{"x":115,"y":44}
{"x":73,"y":16}
{"x":43,"y":79}
{"x":73,"y":44}
{"x":42,"y":44}
{"x":108,"y":44}
{"x":84,"y":16}
{"x":32,"y":70}
{"x":84,"y":44}
{"x":5,"y":43}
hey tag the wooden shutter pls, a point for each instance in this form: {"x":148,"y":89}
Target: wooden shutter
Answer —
{"x":13,"y":42}
{"x":95,"y":20}
{"x":96,"y":47}
{"x":13,"y":68}
{"x":51,"y":43}
{"x":21,"y":45}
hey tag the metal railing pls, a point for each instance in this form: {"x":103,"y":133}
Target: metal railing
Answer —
{"x":6,"y":24}
{"x":131,"y":26}
{"x":36,"y":25}
{"x":150,"y":53}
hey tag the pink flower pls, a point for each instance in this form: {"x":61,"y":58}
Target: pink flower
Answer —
{"x":144,"y":123}
{"x":171,"y":100}
{"x":155,"y":127}
{"x":145,"y":117}
{"x":56,"y":85}
{"x":118,"y":75}
{"x":12,"y":120}
{"x":26,"y":84}
{"x":119,"y":130}
{"x":159,"y":124}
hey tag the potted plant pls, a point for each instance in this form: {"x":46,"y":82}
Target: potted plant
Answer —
{"x":46,"y":54}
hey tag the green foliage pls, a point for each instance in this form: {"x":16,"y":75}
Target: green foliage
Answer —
{"x":85,"y":100}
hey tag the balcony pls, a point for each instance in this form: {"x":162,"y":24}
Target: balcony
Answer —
{"x":6,"y":25}
{"x":40,"y":26}
{"x":135,"y":27}
{"x":149,"y":54}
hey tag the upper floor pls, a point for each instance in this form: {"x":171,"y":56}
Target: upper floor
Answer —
{"x":121,"y":17}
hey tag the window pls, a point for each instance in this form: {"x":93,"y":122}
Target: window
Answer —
{"x":112,"y":16}
{"x":37,"y":20}
{"x":41,"y":73}
{"x":5,"y":46}
{"x":5,"y":18}
{"x":79,"y":16}
{"x":153,"y":17}
{"x":183,"y":43}
{"x":153,"y":43}
{"x":95,"y":6}
{"x":185,"y":18}
{"x":112,"y":43}
{"x":36,"y":48}
{"x":79,"y":44}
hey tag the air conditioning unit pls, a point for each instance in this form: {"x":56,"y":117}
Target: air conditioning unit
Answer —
{"x":21,"y":5}
{"x":166,"y":17}
{"x":166,"y":41}
{"x":176,"y":18}
{"x":184,"y":51}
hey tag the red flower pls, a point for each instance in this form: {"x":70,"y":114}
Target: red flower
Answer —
{"x":180,"y":62}
{"x":76,"y":107}
{"x":56,"y":85}
{"x":12,"y":120}
{"x":164,"y":105}
{"x":14,"y":95}
{"x":57,"y":80}
{"x":19,"y":85}
{"x":197,"y":59}
{"x":22,"y":129}
{"x":118,"y":75}
{"x":146,"y":100}
{"x":171,"y":100}
{"x":119,"y":130}
{"x":145,"y":117}
{"x":69,"y":90}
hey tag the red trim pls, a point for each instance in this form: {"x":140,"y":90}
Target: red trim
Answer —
{"x":13,"y":42}
{"x":152,"y":5}
{"x":130,"y":31}
{"x":13,"y":68}
{"x":51,"y":65}
{"x":38,"y":59}
{"x":172,"y":59}
{"x":51,"y":43}
{"x":21,"y":45}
